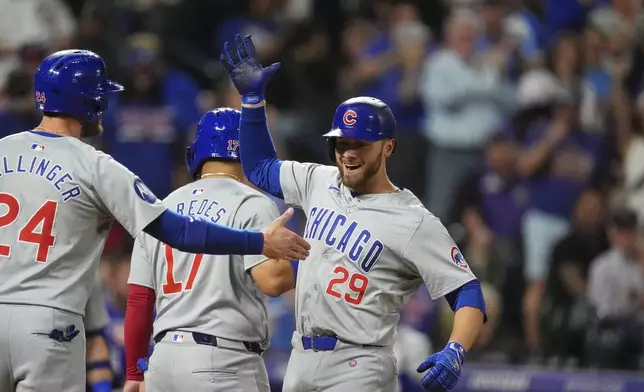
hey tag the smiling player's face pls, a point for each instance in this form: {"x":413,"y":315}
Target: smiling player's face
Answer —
{"x":359,"y":161}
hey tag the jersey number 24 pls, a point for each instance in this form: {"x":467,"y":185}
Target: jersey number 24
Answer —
{"x":44,"y":218}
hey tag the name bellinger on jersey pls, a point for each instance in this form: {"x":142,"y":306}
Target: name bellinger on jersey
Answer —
{"x":34,"y":165}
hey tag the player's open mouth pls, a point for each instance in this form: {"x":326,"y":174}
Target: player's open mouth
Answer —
{"x":351,"y":168}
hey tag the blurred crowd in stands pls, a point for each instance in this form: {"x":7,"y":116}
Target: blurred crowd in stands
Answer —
{"x":520,"y":124}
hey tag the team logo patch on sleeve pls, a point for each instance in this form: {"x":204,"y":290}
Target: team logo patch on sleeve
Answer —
{"x":457,"y":257}
{"x":143,"y":192}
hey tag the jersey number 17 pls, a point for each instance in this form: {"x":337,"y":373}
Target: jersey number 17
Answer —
{"x":171,"y":286}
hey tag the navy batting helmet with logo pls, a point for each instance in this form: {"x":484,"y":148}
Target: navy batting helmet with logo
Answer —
{"x":73,"y":82}
{"x":362,"y":118}
{"x":217,"y":138}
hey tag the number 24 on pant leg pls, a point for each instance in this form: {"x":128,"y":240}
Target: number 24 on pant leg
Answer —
{"x":357,"y":285}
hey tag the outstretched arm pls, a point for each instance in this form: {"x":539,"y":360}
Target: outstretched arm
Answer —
{"x":195,"y":235}
{"x":257,"y":151}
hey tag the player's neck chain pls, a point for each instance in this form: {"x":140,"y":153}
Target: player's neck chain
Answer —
{"x":221,"y":175}
{"x":55,"y":132}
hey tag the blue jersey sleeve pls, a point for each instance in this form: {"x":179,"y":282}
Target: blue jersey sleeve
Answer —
{"x":470,"y":294}
{"x":257,"y":151}
{"x":194,"y":235}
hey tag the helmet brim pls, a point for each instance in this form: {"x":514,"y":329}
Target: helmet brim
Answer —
{"x":111,"y":86}
{"x":353,"y":134}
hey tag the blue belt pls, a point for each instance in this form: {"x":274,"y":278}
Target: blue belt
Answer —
{"x":319,"y":343}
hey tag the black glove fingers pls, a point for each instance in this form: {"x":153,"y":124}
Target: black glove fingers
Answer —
{"x":227,"y":65}
{"x":233,"y":58}
{"x":239,"y":46}
{"x":250,"y":47}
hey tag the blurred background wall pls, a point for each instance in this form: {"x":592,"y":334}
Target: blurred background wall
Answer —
{"x":520,"y":124}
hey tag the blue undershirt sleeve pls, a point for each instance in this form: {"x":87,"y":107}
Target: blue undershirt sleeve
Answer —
{"x":195,"y":235}
{"x":469,"y":294}
{"x":257,"y":151}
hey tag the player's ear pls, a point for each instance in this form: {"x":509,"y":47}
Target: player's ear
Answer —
{"x":389,"y":147}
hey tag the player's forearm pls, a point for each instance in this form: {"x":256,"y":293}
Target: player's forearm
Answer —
{"x":468,"y":322}
{"x":196,"y":235}
{"x":468,"y":305}
{"x":99,"y":372}
{"x":257,"y":150}
{"x":138,"y":328}
{"x":274,"y":277}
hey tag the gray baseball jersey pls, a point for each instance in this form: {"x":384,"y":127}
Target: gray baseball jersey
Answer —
{"x":204,"y":293}
{"x":58,"y":198}
{"x":369,"y":253}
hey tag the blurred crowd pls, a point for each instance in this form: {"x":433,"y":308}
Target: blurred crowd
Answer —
{"x":520,"y":125}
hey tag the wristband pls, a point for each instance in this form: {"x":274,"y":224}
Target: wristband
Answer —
{"x":142,"y":365}
{"x":252,"y":100}
{"x":459,"y":349}
{"x":98,"y":365}
{"x":102,"y":386}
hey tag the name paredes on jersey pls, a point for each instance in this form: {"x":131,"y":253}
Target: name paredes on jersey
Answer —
{"x":45,"y":168}
{"x":336,"y":230}
{"x":202,"y":207}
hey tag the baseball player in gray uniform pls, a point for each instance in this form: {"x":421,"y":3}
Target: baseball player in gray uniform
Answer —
{"x":58,"y":197}
{"x":211,"y":326}
{"x":372,"y":243}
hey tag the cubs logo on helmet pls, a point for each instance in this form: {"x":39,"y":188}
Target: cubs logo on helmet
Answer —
{"x":377,"y":121}
{"x":349,"y":117}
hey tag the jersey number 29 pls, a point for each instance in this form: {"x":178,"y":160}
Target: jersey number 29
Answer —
{"x":171,"y":286}
{"x":357,"y":285}
{"x":44,"y":218}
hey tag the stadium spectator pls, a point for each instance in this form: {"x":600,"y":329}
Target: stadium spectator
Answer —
{"x":152,"y":118}
{"x":467,"y":99}
{"x":17,"y":113}
{"x":559,"y":161}
{"x":44,"y":23}
{"x":565,"y":311}
{"x":616,"y":291}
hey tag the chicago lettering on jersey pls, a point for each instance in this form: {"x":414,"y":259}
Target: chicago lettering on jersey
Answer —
{"x":203,"y":207}
{"x":335,"y":230}
{"x":45,"y":168}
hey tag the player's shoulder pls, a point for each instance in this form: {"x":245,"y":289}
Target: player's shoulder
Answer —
{"x":253,"y":198}
{"x":13,"y":137}
{"x":316,"y":169}
{"x":415,"y":211}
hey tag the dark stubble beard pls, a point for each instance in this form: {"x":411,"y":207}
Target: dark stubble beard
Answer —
{"x":357,"y":182}
{"x":91,"y":129}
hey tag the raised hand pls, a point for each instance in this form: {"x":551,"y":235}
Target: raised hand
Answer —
{"x":247,"y":74}
{"x":281,"y":243}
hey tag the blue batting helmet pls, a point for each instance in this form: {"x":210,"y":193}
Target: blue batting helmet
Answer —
{"x":217,"y":138}
{"x":362,"y":118}
{"x":73,"y":82}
